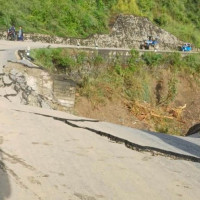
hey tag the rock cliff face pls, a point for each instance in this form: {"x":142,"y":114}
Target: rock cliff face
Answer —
{"x":127,"y":32}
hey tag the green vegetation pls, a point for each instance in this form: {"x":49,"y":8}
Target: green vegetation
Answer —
{"x":63,"y":17}
{"x":80,"y":18}
{"x":65,"y":60}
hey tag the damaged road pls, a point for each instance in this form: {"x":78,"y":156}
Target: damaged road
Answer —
{"x":51,"y":155}
{"x":175,"y":147}
{"x":46,"y":158}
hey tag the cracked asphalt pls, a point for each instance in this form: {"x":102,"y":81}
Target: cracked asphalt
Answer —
{"x":47,"y":154}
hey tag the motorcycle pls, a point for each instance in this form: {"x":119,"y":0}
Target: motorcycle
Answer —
{"x":11,"y":35}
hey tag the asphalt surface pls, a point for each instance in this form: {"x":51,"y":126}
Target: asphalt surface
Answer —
{"x":47,"y":154}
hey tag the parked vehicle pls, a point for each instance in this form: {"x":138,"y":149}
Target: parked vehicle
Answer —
{"x":186,"y":47}
{"x":11,"y":34}
{"x":151,"y":42}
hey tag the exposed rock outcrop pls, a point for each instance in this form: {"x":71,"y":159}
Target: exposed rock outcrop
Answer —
{"x":129,"y":31}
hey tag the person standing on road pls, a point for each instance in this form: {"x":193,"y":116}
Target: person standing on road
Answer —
{"x":20,"y":34}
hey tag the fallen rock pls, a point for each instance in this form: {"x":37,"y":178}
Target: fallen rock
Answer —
{"x":17,"y":87}
{"x":7,"y":81}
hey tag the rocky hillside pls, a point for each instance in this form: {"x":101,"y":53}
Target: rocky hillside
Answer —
{"x":129,"y":31}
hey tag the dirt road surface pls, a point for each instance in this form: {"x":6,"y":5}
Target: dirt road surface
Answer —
{"x":52,"y":155}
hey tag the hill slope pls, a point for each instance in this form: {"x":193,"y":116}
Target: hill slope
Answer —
{"x":82,"y":18}
{"x":61,"y":17}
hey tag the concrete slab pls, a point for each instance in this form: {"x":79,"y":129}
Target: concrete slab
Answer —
{"x":189,"y":146}
{"x":45,"y":158}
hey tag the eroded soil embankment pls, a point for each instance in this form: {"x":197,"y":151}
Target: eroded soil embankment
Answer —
{"x":173,"y":106}
{"x":173,"y":109}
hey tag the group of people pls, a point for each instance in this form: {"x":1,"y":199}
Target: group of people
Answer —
{"x":11,"y":34}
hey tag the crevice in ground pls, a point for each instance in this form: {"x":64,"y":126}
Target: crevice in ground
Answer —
{"x":136,"y":147}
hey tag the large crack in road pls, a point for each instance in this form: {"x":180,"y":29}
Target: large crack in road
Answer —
{"x":133,"y":146}
{"x":136,"y":147}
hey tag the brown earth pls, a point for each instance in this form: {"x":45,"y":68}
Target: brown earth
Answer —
{"x":115,"y":112}
{"x":180,"y":114}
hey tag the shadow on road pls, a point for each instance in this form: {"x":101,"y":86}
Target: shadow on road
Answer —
{"x":178,"y":143}
{"x":5,"y":189}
